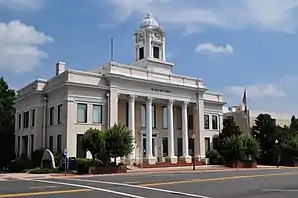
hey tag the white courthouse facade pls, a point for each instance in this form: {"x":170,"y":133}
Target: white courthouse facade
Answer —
{"x":171,"y":116}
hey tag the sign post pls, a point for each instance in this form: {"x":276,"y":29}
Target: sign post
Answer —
{"x":65,"y":161}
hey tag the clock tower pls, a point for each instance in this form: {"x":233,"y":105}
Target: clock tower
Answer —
{"x":149,"y":44}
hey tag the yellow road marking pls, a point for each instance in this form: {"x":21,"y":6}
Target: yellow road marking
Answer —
{"x":44,"y":193}
{"x":216,"y":179}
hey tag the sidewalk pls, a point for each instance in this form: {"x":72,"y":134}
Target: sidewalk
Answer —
{"x":136,"y":171}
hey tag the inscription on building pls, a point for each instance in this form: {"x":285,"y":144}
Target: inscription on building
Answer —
{"x":160,"y":90}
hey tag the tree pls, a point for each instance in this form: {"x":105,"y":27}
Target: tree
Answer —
{"x":266,"y":132}
{"x":252,"y":148}
{"x":230,"y":128}
{"x":294,"y":124}
{"x":94,"y":141}
{"x":119,"y":141}
{"x":7,"y":118}
{"x":232,"y":149}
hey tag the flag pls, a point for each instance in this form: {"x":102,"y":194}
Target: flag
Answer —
{"x":244,"y":101}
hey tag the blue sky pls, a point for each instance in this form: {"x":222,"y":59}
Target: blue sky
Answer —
{"x":241,"y":44}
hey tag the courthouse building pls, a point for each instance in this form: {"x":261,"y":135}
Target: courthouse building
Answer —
{"x":171,"y":116}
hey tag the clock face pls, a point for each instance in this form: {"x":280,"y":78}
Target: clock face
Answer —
{"x":157,"y":35}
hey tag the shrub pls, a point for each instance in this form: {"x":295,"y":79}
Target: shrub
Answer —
{"x":240,"y":148}
{"x":19,"y":165}
{"x":119,"y":141}
{"x":36,"y":157}
{"x":42,"y":171}
{"x":214,"y":157}
{"x":84,"y":164}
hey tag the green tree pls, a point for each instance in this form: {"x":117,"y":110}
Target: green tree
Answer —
{"x":94,"y":141}
{"x":252,"y":148}
{"x":266,"y":132}
{"x":232,"y":149}
{"x":119,"y":141}
{"x":230,"y":128}
{"x":294,"y":125}
{"x":7,"y":118}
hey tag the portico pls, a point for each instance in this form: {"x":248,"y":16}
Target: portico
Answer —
{"x":151,"y":121}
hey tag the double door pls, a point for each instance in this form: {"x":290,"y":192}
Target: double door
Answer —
{"x":144,"y":145}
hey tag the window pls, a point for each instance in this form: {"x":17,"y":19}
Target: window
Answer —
{"x":206,"y":121}
{"x":164,"y":117}
{"x":126,"y":114}
{"x":33,"y":118}
{"x":179,"y":118}
{"x":97,"y":114}
{"x":80,"y":148}
{"x":153,"y":117}
{"x":51,"y":115}
{"x":207,"y":144}
{"x":155,"y":52}
{"x":214,"y":122}
{"x":143,"y":116}
{"x":165,"y":146}
{"x":215,"y":143}
{"x":141,"y":53}
{"x":59,"y":113}
{"x":32,"y":143}
{"x":26,"y":120}
{"x":59,"y":142}
{"x":19,"y":143}
{"x":20,"y":120}
{"x":51,"y":143}
{"x":190,"y":121}
{"x":82,"y":113}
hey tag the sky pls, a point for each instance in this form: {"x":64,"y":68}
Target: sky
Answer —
{"x":232,"y":45}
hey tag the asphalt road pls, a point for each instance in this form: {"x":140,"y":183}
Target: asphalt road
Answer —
{"x":220,"y":184}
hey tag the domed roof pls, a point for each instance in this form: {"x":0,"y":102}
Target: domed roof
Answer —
{"x":149,"y":21}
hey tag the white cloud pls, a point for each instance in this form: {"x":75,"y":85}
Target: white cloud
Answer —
{"x":23,"y":4}
{"x":20,"y":47}
{"x":278,"y":15}
{"x":278,"y":96}
{"x":209,"y":48}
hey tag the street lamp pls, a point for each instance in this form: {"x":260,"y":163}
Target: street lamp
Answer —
{"x":193,"y":154}
{"x":278,"y":155}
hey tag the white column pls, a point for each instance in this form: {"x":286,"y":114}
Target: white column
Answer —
{"x":131,"y":124}
{"x":171,"y":153}
{"x":113,"y":106}
{"x":186,"y":156}
{"x":149,"y":157}
{"x":200,"y":153}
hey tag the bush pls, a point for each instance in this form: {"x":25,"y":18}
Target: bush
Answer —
{"x":36,"y":157}
{"x":240,"y":148}
{"x":214,"y":157}
{"x":19,"y":165}
{"x":84,"y":164}
{"x":41,"y":171}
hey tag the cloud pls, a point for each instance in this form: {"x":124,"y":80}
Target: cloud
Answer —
{"x":209,"y":48}
{"x":193,"y":15}
{"x":278,"y":96}
{"x":23,"y":4}
{"x":20,"y":47}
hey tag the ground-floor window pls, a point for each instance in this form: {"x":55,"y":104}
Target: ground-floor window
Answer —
{"x":51,"y":143}
{"x":25,"y":145}
{"x":80,"y":149}
{"x":207,"y":144}
{"x":165,"y":146}
{"x":215,"y":143}
{"x":179,"y":147}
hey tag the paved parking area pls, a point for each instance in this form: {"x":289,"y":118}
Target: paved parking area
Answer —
{"x":233,"y":184}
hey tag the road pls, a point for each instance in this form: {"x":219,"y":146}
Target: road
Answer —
{"x":274,"y":183}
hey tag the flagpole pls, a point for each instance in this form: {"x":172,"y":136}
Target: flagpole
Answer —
{"x":246,"y":112}
{"x":112,"y":49}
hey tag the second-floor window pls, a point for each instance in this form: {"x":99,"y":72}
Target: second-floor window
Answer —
{"x":59,"y":113}
{"x":82,"y":113}
{"x":206,"y":122}
{"x":143,"y":116}
{"x":33,"y":118}
{"x":214,"y":122}
{"x":164,"y":117}
{"x":20,"y":120}
{"x":51,"y":115}
{"x":97,"y":114}
{"x":179,"y":118}
{"x":26,"y":119}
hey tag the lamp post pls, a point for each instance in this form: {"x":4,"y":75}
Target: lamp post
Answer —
{"x":278,"y":155}
{"x":193,"y":154}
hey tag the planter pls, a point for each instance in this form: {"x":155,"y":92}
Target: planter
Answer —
{"x":240,"y":164}
{"x":108,"y":169}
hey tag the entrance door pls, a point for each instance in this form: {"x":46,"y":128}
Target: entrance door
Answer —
{"x":144,"y":146}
